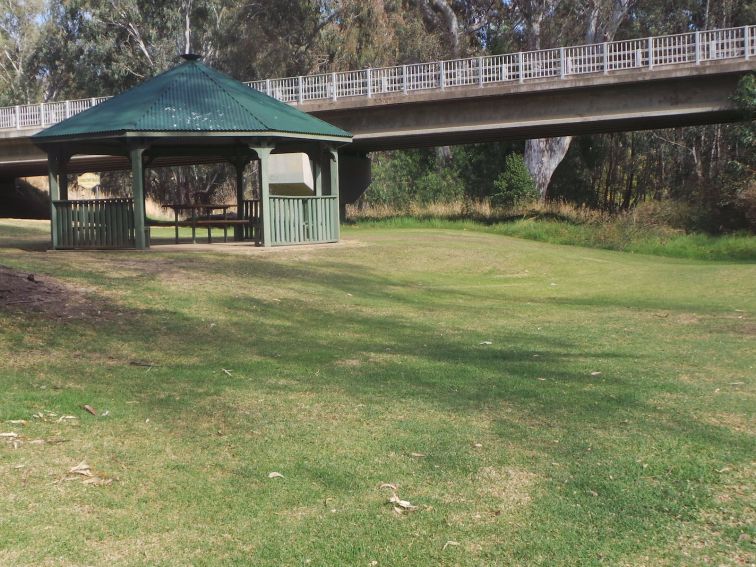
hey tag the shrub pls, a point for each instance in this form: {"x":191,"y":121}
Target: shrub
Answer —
{"x":514,"y":186}
{"x":664,"y":214}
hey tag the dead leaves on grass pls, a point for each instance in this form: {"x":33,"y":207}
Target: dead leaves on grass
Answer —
{"x":450,"y":543}
{"x":84,"y":472}
{"x":16,"y":441}
{"x":49,"y":416}
{"x":400,"y":506}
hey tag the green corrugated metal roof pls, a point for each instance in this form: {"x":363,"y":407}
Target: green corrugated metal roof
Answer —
{"x":192,"y":97}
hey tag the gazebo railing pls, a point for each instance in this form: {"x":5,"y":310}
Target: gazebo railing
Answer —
{"x":301,"y":220}
{"x":252,"y":211}
{"x":94,"y":223}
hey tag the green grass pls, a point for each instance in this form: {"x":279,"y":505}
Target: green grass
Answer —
{"x":345,"y":361}
{"x":618,"y":235}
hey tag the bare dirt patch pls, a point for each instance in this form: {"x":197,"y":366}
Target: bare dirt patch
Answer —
{"x":732,"y":421}
{"x":509,"y":487}
{"x":349,"y":362}
{"x":24,"y":292}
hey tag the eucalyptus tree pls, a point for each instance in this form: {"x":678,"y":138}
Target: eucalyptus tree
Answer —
{"x":19,"y":38}
{"x":551,"y":23}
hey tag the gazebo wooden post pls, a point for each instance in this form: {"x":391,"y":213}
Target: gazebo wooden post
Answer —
{"x":240,"y":163}
{"x":317,"y":171}
{"x":263,"y":154}
{"x":334,"y":155}
{"x":136,"y":155}
{"x":63,"y":183}
{"x":52,"y":178}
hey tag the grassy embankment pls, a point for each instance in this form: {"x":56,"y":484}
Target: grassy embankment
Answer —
{"x":609,"y":420}
{"x":564,"y":224}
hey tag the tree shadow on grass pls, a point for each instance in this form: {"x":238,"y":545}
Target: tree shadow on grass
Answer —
{"x":390,"y":358}
{"x":298,"y":333}
{"x":374,"y":354}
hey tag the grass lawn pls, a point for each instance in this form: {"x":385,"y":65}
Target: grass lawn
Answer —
{"x":608,"y":422}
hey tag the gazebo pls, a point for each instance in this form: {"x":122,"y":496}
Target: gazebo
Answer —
{"x":193,"y":114}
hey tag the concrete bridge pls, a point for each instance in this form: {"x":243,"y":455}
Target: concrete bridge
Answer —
{"x":657,"y":82}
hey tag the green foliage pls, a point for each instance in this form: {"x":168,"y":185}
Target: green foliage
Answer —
{"x":514,"y":186}
{"x":413,"y":176}
{"x":20,"y":35}
{"x":479,"y":165}
{"x":735,"y":204}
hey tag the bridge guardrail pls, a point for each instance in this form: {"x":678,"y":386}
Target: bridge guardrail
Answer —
{"x":556,"y":63}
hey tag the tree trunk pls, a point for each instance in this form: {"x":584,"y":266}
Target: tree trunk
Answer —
{"x":542,"y":156}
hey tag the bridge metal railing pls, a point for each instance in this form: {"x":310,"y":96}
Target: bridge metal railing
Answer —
{"x":44,"y":114}
{"x":559,"y":63}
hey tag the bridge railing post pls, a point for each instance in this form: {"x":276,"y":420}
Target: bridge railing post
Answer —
{"x":747,"y":42}
{"x":41,"y":113}
{"x":404,"y":79}
{"x":650,"y":52}
{"x":606,"y":58}
{"x":562,"y":69}
{"x":369,"y":73}
{"x":442,"y":75}
{"x":267,"y":87}
{"x":334,"y":93}
{"x":300,"y":91}
{"x":520,"y":70}
{"x":698,"y":48}
{"x":68,"y":109}
{"x":18,"y":117}
{"x":481,"y":72}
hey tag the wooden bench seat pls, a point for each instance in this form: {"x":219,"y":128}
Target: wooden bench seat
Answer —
{"x":203,"y":223}
{"x":214,"y":222}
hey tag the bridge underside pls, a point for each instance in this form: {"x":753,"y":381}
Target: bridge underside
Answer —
{"x":520,"y":112}
{"x":661,"y":98}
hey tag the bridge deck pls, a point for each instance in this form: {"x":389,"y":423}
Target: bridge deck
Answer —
{"x":657,"y":82}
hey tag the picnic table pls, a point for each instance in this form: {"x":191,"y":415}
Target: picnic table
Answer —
{"x":203,"y":219}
